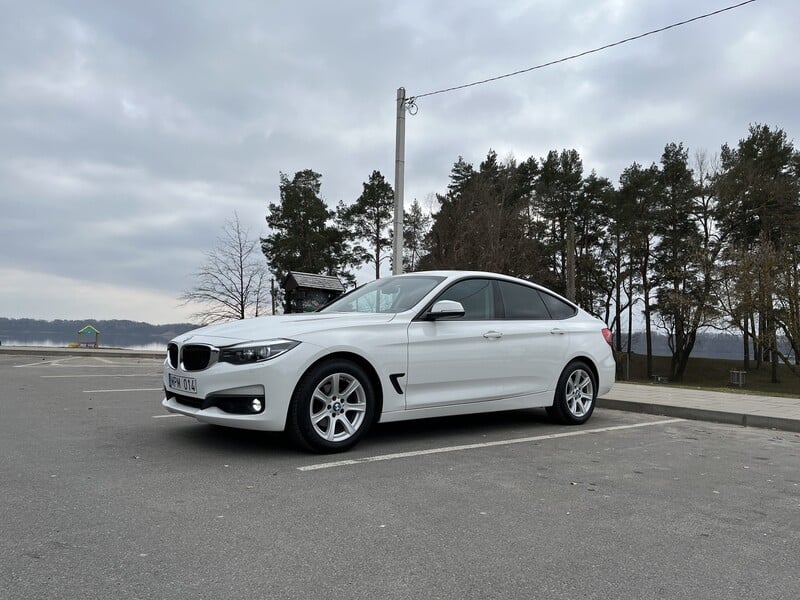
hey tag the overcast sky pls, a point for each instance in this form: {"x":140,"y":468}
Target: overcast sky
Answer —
{"x":131,"y":130}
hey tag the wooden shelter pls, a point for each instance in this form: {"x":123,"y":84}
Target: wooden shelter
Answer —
{"x":306,"y":292}
{"x":88,"y":330}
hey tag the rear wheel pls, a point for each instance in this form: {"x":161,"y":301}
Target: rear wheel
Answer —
{"x":333,"y":407}
{"x":575,"y":397}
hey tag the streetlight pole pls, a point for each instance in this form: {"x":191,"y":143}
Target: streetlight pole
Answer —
{"x":399,"y":175}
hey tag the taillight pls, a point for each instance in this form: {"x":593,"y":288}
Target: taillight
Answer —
{"x":608,"y":336}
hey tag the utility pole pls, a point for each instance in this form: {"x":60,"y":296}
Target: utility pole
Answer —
{"x":570,"y":260}
{"x":399,"y":174}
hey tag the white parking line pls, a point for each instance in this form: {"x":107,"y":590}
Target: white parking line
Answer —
{"x":536,"y":438}
{"x":124,"y":390}
{"x":59,"y":362}
{"x":166,"y":416}
{"x":103,"y":375}
{"x":82,"y":366}
{"x":53,"y":362}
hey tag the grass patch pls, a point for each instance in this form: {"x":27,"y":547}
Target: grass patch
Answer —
{"x":714,"y":374}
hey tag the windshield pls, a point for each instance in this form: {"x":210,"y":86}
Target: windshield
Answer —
{"x":389,"y":295}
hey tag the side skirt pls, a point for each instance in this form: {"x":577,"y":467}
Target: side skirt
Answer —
{"x":518,"y":402}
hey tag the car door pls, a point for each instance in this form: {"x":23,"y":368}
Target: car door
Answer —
{"x":535,"y":344}
{"x":457,"y":361}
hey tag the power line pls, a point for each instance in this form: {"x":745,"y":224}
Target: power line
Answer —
{"x":411,"y":101}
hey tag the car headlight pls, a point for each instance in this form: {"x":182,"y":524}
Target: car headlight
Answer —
{"x":253,"y":352}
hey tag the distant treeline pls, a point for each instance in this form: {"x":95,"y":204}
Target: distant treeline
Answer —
{"x":727,"y":346}
{"x":678,"y":248}
{"x":113,"y":333}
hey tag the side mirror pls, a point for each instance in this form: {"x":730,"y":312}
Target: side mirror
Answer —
{"x":445,"y":309}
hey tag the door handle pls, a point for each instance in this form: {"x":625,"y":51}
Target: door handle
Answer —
{"x":557,"y":331}
{"x":492,"y":335}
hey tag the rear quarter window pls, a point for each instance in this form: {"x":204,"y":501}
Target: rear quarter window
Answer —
{"x":558,"y":308}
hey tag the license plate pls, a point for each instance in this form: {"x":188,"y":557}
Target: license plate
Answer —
{"x":182,"y":384}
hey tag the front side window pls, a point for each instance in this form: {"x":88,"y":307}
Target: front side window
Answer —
{"x":475,"y":295}
{"x":522,"y":302}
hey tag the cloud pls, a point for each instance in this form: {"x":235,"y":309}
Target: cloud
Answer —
{"x":129,"y":132}
{"x":34,"y":295}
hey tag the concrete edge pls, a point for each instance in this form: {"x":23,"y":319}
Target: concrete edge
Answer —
{"x":100,"y":352}
{"x":765,"y":422}
{"x":702,"y":414}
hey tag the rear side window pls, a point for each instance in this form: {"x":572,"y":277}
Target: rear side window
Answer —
{"x":522,"y":302}
{"x":558,"y":308}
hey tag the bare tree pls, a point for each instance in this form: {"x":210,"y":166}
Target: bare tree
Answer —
{"x":233,"y":281}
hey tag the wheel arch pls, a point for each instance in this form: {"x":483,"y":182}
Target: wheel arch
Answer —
{"x":362,"y":362}
{"x":589,"y":363}
{"x":581,"y":358}
{"x":559,"y":411}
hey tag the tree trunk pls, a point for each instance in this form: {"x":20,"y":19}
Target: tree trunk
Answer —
{"x":618,"y":300}
{"x":774,"y":358}
{"x":757,"y":344}
{"x":630,"y":329}
{"x":648,"y":329}
{"x":648,"y":332}
{"x":776,"y":376}
{"x":746,"y":340}
{"x":683,"y":357}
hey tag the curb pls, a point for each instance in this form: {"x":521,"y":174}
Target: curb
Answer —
{"x":103,"y":352}
{"x":702,"y":414}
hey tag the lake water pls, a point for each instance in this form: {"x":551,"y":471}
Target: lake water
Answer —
{"x":113,"y":343}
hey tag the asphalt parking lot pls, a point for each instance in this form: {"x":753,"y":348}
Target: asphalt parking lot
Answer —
{"x":104,"y":495}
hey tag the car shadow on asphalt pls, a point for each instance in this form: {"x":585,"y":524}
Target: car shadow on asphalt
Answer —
{"x":462,"y":429}
{"x":467,"y":429}
{"x":214,"y":438}
{"x":385,"y":437}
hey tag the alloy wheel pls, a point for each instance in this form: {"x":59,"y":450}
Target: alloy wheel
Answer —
{"x":338,"y":407}
{"x":579,"y":393}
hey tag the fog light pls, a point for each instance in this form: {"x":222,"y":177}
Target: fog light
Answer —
{"x":256,"y":405}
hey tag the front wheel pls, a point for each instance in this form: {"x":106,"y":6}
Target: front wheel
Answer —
{"x":333,"y":407}
{"x":575,"y":397}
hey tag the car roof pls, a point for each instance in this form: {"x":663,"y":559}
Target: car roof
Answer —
{"x":455,"y":273}
{"x":458,"y":274}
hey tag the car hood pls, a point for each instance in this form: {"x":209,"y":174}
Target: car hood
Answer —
{"x":279,"y":326}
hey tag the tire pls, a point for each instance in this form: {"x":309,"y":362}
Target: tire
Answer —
{"x":333,"y":407}
{"x":576,"y":394}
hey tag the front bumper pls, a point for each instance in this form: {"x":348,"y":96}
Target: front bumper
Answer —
{"x":219,"y":393}
{"x":265,"y":421}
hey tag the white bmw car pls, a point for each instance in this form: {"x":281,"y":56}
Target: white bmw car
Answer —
{"x":427,"y":344}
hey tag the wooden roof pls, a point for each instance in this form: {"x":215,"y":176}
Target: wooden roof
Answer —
{"x":296,"y":279}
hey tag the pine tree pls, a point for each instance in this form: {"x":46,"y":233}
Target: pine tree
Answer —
{"x":683,"y":258}
{"x":368,"y":221}
{"x":416,"y":225}
{"x":759,"y":207}
{"x":557,"y":190}
{"x":638,"y":195}
{"x":302,"y":237}
{"x":460,"y":175}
